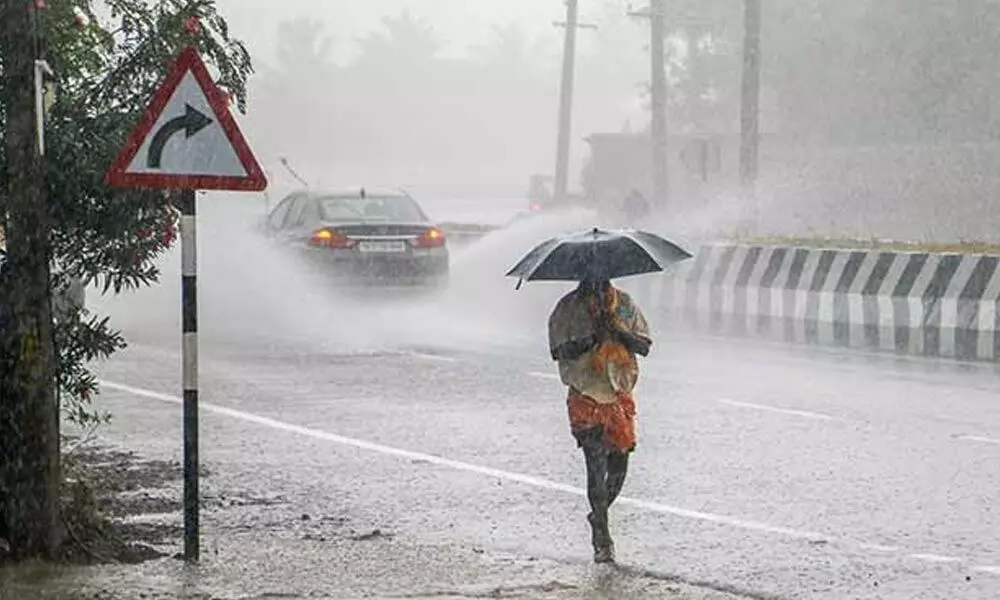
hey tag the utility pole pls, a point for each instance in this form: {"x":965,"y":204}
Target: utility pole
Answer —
{"x":658,"y":106}
{"x":566,"y":101}
{"x":661,"y":180}
{"x":750,"y":104}
{"x":572,"y":24}
{"x":29,"y":414}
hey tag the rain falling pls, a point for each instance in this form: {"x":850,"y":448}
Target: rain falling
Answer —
{"x":541,"y":299}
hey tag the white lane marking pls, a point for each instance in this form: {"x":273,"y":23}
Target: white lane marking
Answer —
{"x":990,"y":570}
{"x":935,"y":558}
{"x":976,"y":438}
{"x":470,"y":468}
{"x":509,"y":476}
{"x":154,"y":518}
{"x":540,"y":375}
{"x":783,"y":411}
{"x":881,"y":548}
{"x":433,"y":357}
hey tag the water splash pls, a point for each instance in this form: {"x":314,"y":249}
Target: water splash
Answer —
{"x":252,"y":291}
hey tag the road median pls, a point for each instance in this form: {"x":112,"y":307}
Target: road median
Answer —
{"x":916,"y":298}
{"x":916,"y":302}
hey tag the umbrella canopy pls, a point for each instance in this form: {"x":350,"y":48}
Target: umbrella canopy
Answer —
{"x":598,"y":255}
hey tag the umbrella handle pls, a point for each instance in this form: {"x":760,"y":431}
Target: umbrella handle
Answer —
{"x":602,"y":313}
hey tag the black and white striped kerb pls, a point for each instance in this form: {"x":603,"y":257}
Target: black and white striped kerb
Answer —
{"x":189,"y":352}
{"x":914,"y":303}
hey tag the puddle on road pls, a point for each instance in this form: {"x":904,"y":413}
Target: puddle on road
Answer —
{"x":160,"y":580}
{"x":108,"y":584}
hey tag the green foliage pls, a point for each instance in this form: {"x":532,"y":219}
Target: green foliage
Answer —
{"x":106,"y":72}
{"x":80,"y":342}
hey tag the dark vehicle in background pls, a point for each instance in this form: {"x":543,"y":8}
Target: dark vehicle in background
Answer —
{"x":363,"y":236}
{"x":541,"y":196}
{"x":539,"y":192}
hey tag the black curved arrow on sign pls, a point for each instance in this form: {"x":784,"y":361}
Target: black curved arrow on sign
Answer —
{"x":191,"y":122}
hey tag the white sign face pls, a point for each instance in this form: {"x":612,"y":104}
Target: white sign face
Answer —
{"x":187,"y":139}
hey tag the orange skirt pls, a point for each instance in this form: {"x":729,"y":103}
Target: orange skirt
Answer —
{"x":617,"y":420}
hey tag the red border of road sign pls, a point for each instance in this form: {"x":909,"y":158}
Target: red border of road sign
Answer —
{"x":189,"y":60}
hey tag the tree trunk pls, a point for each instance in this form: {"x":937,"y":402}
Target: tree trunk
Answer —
{"x":29,"y":414}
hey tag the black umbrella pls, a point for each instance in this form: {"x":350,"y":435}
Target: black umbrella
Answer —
{"x":598,"y":255}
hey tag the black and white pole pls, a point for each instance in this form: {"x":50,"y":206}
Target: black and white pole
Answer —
{"x":189,"y":353}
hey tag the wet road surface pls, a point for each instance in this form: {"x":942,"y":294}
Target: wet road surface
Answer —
{"x":764,"y":470}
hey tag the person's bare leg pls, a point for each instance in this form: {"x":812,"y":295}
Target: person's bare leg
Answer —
{"x":617,"y":471}
{"x":596,"y":456}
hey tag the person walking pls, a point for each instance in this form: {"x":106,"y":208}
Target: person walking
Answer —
{"x":635,"y":209}
{"x":636,"y":212}
{"x":595,"y":333}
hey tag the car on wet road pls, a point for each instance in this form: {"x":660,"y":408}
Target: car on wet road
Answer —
{"x":360,"y":236}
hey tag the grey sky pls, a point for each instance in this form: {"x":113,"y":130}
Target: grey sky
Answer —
{"x":461,"y":22}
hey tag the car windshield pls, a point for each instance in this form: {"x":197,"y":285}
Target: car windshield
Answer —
{"x":371,"y":208}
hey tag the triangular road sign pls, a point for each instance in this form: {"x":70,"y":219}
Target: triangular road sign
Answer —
{"x":187,"y":138}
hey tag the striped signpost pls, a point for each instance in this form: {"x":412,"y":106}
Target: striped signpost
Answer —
{"x":187,"y":140}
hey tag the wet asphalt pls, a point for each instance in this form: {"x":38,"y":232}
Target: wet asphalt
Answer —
{"x":765,"y":471}
{"x":420,"y":448}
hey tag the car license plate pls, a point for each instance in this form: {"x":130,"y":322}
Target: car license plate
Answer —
{"x":382,"y":246}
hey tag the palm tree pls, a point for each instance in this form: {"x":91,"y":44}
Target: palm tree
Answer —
{"x":512,"y":50}
{"x":405,"y":39}
{"x":303,"y":46}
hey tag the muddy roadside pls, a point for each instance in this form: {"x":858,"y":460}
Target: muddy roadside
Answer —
{"x":123,"y":524}
{"x":136,"y":502}
{"x":263,"y":541}
{"x":118,"y":509}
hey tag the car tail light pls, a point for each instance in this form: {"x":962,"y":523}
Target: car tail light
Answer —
{"x":432,"y":238}
{"x":330,"y":238}
{"x":535,"y":207}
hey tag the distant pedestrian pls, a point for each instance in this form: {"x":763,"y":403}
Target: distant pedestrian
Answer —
{"x":635,"y":209}
{"x":595,"y":333}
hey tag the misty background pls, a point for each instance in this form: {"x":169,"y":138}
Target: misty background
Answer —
{"x":880,"y":119}
{"x":884,"y":106}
